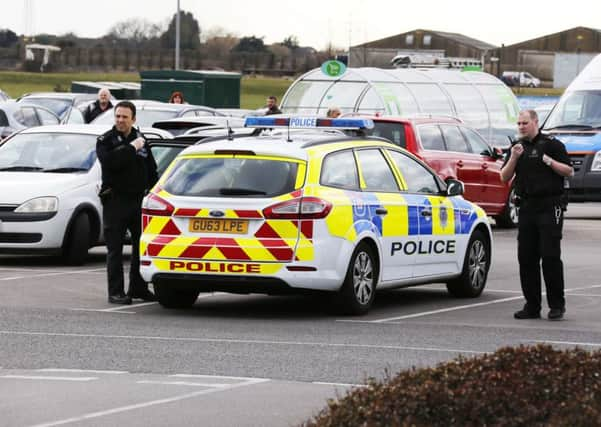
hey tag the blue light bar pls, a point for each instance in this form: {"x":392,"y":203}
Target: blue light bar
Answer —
{"x":308,"y":123}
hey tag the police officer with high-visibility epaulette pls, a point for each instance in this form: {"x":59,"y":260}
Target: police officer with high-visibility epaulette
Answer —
{"x":540,"y":164}
{"x":128,"y":172}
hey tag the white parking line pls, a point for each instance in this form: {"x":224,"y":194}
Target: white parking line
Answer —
{"x":459,"y":307}
{"x":236,"y":341}
{"x":78,"y":371}
{"x":117,"y":410}
{"x":339,"y":384}
{"x":184,"y":383}
{"x":47,"y":378}
{"x":55,"y":273}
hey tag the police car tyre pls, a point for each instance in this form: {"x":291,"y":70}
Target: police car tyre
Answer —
{"x":472,"y":280}
{"x":509,"y":217}
{"x":359,"y":287}
{"x":174,"y":298}
{"x":77,"y":242}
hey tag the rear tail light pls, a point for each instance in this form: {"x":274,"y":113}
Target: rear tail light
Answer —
{"x":301,"y":208}
{"x":154,"y":205}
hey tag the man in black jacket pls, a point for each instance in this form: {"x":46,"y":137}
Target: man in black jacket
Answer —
{"x":99,"y":106}
{"x":540,"y":164}
{"x":272,"y":106}
{"x":128,"y":172}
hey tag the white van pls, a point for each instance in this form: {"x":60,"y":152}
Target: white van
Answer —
{"x":478,"y":99}
{"x":520,"y":78}
{"x":576,"y":121}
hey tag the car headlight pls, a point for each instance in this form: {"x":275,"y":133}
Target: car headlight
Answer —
{"x":41,"y":204}
{"x":596,"y":164}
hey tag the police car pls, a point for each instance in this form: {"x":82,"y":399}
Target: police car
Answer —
{"x":308,"y":211}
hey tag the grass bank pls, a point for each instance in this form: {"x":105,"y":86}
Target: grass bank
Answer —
{"x":254,"y":90}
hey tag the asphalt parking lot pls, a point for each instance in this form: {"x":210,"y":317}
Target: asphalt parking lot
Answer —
{"x":254,"y":360}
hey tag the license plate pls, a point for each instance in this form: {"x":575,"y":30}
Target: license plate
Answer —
{"x":224,"y":226}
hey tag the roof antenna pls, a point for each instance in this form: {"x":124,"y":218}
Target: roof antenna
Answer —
{"x":230,"y":132}
{"x":289,"y":140}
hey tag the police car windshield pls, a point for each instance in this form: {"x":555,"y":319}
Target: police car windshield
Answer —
{"x":579,"y":109}
{"x":231,"y":177}
{"x":58,"y":152}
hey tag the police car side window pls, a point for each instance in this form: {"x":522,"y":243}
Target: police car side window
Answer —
{"x":340,"y":170}
{"x":431,"y":138}
{"x":376,"y":172}
{"x":418,"y":178}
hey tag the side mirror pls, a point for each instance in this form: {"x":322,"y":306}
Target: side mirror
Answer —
{"x":454,"y":187}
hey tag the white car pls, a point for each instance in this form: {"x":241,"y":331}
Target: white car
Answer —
{"x":49,"y":181}
{"x":308,"y":211}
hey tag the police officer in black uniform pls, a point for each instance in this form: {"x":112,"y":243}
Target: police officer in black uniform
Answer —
{"x":540,"y":164}
{"x":128,"y":172}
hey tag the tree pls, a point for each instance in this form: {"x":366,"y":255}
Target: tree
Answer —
{"x":291,"y":42}
{"x":136,"y":30}
{"x":7,"y":38}
{"x":189,"y":32}
{"x":250,"y":44}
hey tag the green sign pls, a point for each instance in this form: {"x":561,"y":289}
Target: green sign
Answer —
{"x":333,"y":68}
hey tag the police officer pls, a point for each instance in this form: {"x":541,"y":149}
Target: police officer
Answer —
{"x":99,"y":106}
{"x":540,"y":164}
{"x":128,"y":172}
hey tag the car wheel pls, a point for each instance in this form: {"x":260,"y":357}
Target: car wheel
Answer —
{"x":174,"y":298}
{"x":531,"y":85}
{"x":77,"y":242}
{"x":510,"y":215}
{"x":472,"y":280}
{"x":359,"y":287}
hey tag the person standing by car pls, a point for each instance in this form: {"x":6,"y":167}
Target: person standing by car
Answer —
{"x":333,"y":112}
{"x":128,"y":172}
{"x":99,"y":106}
{"x":540,"y":164}
{"x":176,"y":98}
{"x":272,"y":106}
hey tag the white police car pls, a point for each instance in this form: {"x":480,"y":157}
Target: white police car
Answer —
{"x":310,"y":211}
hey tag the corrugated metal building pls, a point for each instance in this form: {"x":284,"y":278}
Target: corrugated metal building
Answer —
{"x":554,"y":58}
{"x":380,"y":52}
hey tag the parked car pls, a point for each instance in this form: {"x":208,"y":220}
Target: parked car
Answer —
{"x":455,"y":151}
{"x":149,"y":112}
{"x":15,"y":116}
{"x":68,"y":106}
{"x":520,"y":78}
{"x":181,"y":125}
{"x":49,"y":181}
{"x":308,"y":212}
{"x":3,"y":96}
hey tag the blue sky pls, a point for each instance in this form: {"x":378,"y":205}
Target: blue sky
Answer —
{"x":315,"y":23}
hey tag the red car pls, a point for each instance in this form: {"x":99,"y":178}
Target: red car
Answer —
{"x":457,"y":151}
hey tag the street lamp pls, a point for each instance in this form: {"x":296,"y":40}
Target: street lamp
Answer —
{"x":177,"y":38}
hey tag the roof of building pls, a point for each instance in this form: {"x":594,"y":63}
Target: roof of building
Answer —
{"x":459,"y":38}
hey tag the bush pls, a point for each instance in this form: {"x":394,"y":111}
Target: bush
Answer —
{"x":523,"y":386}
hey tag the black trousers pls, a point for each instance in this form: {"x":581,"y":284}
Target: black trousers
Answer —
{"x":539,"y":238}
{"x":121,"y":213}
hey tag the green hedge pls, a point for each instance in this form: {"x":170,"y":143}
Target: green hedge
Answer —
{"x":523,"y":386}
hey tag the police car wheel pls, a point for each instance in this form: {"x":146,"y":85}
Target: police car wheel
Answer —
{"x":174,"y":298}
{"x":77,"y":241}
{"x":359,"y":287}
{"x":509,"y":217}
{"x":472,"y":280}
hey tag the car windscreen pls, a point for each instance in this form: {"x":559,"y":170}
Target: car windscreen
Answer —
{"x":579,"y":109}
{"x":164,"y":155}
{"x":144,"y":118}
{"x":394,"y":132}
{"x":48,"y":152}
{"x":227,"y":176}
{"x":60,"y":107}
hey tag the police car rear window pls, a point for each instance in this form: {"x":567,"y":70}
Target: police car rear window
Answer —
{"x":231,"y":177}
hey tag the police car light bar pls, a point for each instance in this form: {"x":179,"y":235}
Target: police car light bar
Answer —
{"x":308,"y":123}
